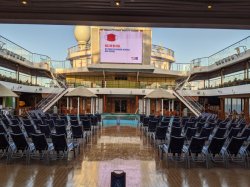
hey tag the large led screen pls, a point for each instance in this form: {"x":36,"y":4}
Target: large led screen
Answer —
{"x":121,"y":46}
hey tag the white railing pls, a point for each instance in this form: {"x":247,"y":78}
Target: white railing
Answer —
{"x":187,"y":99}
{"x":46,"y":103}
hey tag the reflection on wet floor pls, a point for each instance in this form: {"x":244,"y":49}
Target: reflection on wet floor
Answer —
{"x":118,"y":148}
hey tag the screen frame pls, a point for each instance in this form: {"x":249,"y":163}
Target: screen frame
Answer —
{"x":132,"y":30}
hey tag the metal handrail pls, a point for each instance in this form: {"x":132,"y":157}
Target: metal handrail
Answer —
{"x":44,"y":102}
{"x":183,"y":94}
{"x":30,"y":56}
{"x":220,"y":53}
{"x":197,"y":104}
{"x":47,"y":106}
{"x":191,"y":103}
{"x":41,"y":103}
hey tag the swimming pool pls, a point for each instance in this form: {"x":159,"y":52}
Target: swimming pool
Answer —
{"x":120,"y":119}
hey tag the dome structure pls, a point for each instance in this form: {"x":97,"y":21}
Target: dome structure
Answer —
{"x":82,"y":34}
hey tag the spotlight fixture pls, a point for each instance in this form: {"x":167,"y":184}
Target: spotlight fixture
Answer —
{"x":116,"y":3}
{"x":24,"y":2}
{"x":209,"y":6}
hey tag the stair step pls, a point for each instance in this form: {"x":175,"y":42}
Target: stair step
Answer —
{"x":188,"y":103}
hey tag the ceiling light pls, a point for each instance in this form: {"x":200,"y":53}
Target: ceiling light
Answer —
{"x":209,"y":6}
{"x":117,"y":3}
{"x":24,"y":2}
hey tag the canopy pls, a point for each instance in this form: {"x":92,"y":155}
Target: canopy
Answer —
{"x":6,"y":92}
{"x":80,"y":92}
{"x":160,"y":94}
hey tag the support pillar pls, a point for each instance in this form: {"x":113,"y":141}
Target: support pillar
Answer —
{"x":222,"y":78}
{"x":144,"y":106}
{"x":83,"y":105}
{"x":247,"y":71}
{"x":97,"y":109}
{"x":71,"y":102}
{"x":172,"y":105}
{"x":148,"y":107}
{"x":156,"y":106}
{"x":104,"y":103}
{"x":169,"y":105}
{"x":17,"y":105}
{"x":246,"y":109}
{"x":78,"y":106}
{"x":67,"y":104}
{"x":162,"y":107}
{"x":180,"y":106}
{"x":136,"y":104}
{"x":94,"y":101}
{"x":17,"y":73}
{"x":91,"y":105}
{"x":4,"y":102}
{"x":222,"y":106}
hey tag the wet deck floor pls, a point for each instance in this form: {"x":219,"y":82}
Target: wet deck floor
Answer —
{"x":119,"y":148}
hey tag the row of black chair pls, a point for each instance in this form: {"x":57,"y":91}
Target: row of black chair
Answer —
{"x":217,"y":150}
{"x":200,"y":140}
{"x":18,"y":146}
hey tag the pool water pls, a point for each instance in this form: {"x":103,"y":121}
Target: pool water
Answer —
{"x":109,"y":122}
{"x":120,"y":119}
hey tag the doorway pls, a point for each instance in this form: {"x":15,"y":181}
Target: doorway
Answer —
{"x":120,"y":105}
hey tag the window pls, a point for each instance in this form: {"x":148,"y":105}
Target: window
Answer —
{"x":121,"y":78}
{"x":232,"y":104}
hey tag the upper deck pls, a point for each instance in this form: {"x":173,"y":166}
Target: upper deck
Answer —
{"x":223,"y":59}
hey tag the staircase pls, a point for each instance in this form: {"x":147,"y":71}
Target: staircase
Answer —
{"x":58,"y":92}
{"x":186,"y":98}
{"x":48,"y":102}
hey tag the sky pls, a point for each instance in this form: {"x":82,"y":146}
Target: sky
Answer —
{"x":188,"y":44}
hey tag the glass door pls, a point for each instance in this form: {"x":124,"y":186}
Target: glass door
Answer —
{"x":120,"y":105}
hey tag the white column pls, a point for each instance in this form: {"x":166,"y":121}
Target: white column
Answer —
{"x":100,"y":105}
{"x":67,"y":103}
{"x":4,"y":102}
{"x":169,"y":105}
{"x":71,"y":101}
{"x":97,"y":105}
{"x":144,"y":106}
{"x":146,"y":111}
{"x":91,"y":105}
{"x":140,"y":106}
{"x":148,"y":106}
{"x":78,"y":105}
{"x":14,"y":103}
{"x":162,"y":107}
{"x":172,"y":105}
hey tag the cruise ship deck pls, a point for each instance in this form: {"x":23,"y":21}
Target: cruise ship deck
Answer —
{"x":113,"y":87}
{"x":119,"y":147}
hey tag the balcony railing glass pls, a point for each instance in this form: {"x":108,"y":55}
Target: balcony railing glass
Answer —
{"x":237,"y":48}
{"x":13,"y":50}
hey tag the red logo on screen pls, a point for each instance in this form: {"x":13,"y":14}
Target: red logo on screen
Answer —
{"x":111,"y":37}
